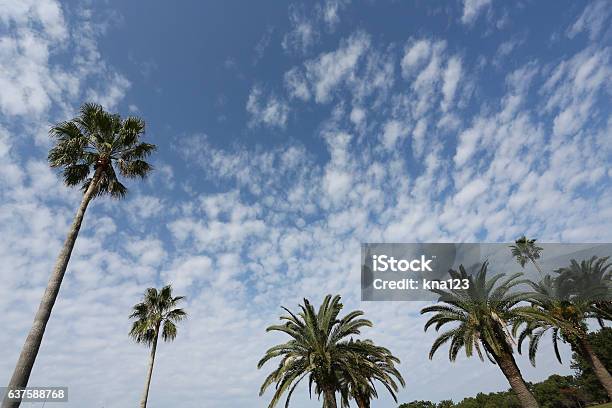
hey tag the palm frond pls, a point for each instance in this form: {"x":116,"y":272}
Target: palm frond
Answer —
{"x":321,"y":347}
{"x":154,"y":312}
{"x":100,"y":140}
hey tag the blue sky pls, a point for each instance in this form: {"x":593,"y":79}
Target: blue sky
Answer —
{"x":288,"y":134}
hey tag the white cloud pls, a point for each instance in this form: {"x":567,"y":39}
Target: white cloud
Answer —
{"x":472,"y":9}
{"x":338,"y":180}
{"x":329,"y":70}
{"x":418,"y":137}
{"x":337,"y":183}
{"x":595,"y":18}
{"x":468,"y":140}
{"x":27,"y":81}
{"x":296,"y":84}
{"x":112,"y":93}
{"x":354,"y":67}
{"x":306,"y":26}
{"x":189,"y":271}
{"x":507,"y":48}
{"x":144,"y":206}
{"x":470,"y":192}
{"x":303,"y":34}
{"x":573,"y":87}
{"x":262,"y":45}
{"x":271,"y":111}
{"x":423,"y":65}
{"x":30,"y":81}
{"x":330,"y":11}
{"x":263,"y":227}
{"x":148,"y":252}
{"x":358,"y":115}
{"x":393,"y":130}
{"x":451,"y":77}
{"x":416,"y":54}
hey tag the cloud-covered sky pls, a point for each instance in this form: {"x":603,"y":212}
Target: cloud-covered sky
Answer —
{"x":288,"y":134}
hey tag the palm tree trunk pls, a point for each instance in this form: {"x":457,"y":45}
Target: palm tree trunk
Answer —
{"x":330,"y":398}
{"x":537,"y":266}
{"x":508,"y":366}
{"x":599,"y":369}
{"x":145,"y":395}
{"x":22,"y":371}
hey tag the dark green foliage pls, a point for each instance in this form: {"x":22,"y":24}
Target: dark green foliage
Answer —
{"x":157,"y":310}
{"x":322,"y":349}
{"x":481,"y":314}
{"x":371,"y":363}
{"x":505,"y":399}
{"x":563,"y":305}
{"x":95,"y":145}
{"x":525,"y":250}
{"x":556,"y":391}
{"x":601,"y":342}
{"x":592,"y":277}
{"x":419,"y":404}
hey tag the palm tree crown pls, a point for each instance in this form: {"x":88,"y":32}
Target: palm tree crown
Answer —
{"x":525,"y":250}
{"x":564,"y":304}
{"x":321,"y":349}
{"x":96,"y":143}
{"x":592,"y":277}
{"x":482,"y":311}
{"x":372,"y":364}
{"x":157,"y":310}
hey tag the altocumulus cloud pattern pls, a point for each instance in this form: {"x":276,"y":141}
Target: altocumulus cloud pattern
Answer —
{"x":288,"y":135}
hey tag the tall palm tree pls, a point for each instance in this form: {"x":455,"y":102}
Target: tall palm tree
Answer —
{"x":156,"y":311}
{"x":564,"y":308}
{"x":320,"y":348}
{"x":525,"y":250}
{"x":89,"y":149}
{"x":371,"y":364}
{"x":482,"y":313}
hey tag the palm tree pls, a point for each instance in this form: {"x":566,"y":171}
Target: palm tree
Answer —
{"x":482,"y":313}
{"x":564,"y":308}
{"x":592,"y":276}
{"x":526,"y":250}
{"x":371,"y":364}
{"x":88,"y":149}
{"x":319,"y":349}
{"x":156,"y":311}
